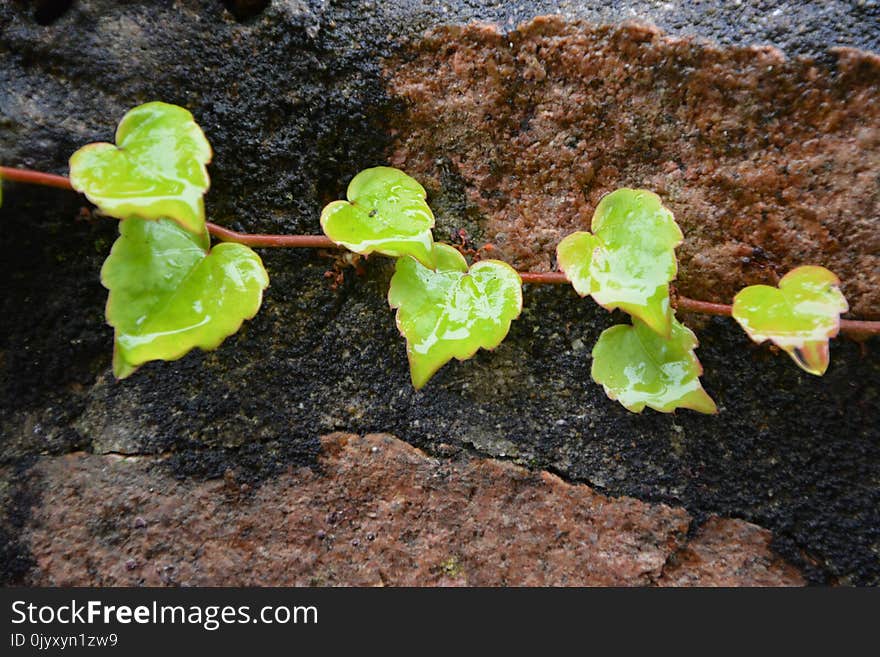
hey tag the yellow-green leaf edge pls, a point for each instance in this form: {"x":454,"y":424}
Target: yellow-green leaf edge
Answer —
{"x":416,"y":291}
{"x":386,"y":212}
{"x":155,"y":303}
{"x":638,"y":368}
{"x":628,"y":259}
{"x":156,"y":169}
{"x":799,"y":316}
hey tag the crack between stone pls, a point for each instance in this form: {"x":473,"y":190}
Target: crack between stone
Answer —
{"x":674,"y":553}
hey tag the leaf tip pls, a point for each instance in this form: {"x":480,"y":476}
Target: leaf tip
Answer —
{"x":122,"y":369}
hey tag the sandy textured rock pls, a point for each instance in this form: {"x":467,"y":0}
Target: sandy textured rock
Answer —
{"x":378,"y":512}
{"x":767,"y":162}
{"x":728,"y":552}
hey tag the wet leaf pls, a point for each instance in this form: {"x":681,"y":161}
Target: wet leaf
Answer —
{"x":385,"y":213}
{"x":639,"y":368}
{"x":628,"y":259}
{"x":156,"y":169}
{"x":452,"y":311}
{"x":798,"y":316}
{"x":169,"y":293}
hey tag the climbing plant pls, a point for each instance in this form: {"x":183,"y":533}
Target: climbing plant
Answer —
{"x":170,"y":291}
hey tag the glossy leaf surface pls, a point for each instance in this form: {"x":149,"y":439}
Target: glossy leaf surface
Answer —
{"x":452,"y":311}
{"x":169,"y":293}
{"x":798,"y":316}
{"x":385,"y":213}
{"x":639,"y":368}
{"x":156,"y":169}
{"x":628,"y":259}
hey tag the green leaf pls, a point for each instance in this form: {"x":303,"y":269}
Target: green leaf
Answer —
{"x":628,"y":259}
{"x":452,"y":311}
{"x":639,"y":368}
{"x":799,"y":316}
{"x":169,"y":293}
{"x":156,"y":169}
{"x":386,"y":213}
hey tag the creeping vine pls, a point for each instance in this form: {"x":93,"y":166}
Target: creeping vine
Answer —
{"x":171,"y":291}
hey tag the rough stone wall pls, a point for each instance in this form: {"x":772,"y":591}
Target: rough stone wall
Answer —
{"x":377,"y":512}
{"x":768,"y":163}
{"x":294,"y":102}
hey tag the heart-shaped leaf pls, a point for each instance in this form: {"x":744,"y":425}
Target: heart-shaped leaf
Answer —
{"x":156,"y":169}
{"x":628,"y":259}
{"x":452,"y":311}
{"x":386,"y":212}
{"x":799,"y":316}
{"x":169,"y":293}
{"x":639,"y":368}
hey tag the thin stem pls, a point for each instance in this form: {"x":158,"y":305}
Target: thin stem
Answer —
{"x":222,"y":234}
{"x":290,"y":241}
{"x":704,"y":307}
{"x":860,"y":327}
{"x":543,"y":278}
{"x":855,"y":326}
{"x":35,"y":177}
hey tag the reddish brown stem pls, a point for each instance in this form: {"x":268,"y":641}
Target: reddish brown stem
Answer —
{"x":855,"y":326}
{"x":860,"y":326}
{"x":35,"y":177}
{"x":704,"y":307}
{"x":223,"y":234}
{"x":290,"y":241}
{"x":543,"y":278}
